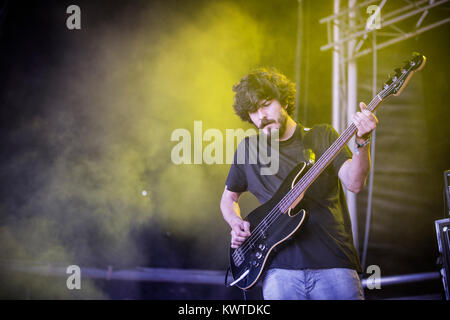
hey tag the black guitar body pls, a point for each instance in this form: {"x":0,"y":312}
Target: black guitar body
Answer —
{"x":251,"y":257}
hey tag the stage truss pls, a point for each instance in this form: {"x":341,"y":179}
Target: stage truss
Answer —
{"x":360,"y":29}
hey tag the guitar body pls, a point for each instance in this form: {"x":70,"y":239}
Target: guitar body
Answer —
{"x":251,"y":257}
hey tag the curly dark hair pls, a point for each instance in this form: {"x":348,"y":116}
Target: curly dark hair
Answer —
{"x":259,"y":85}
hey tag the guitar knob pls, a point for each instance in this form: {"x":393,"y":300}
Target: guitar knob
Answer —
{"x":261,"y":247}
{"x":258,"y":255}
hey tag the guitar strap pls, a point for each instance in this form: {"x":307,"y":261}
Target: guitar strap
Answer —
{"x":308,"y":150}
{"x":226,"y":276}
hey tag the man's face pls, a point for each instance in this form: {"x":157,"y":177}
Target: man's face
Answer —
{"x":269,"y":117}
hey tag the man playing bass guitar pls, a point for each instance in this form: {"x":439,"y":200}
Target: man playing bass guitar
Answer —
{"x":320,"y":260}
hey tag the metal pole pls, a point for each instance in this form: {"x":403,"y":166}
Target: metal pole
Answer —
{"x":351,"y":109}
{"x":172,"y":275}
{"x":298,"y":60}
{"x":404,"y":278}
{"x":335,"y":76}
{"x":372,"y":153}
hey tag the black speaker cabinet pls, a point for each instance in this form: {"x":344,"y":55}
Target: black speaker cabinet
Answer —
{"x":443,"y":239}
{"x":447,"y":191}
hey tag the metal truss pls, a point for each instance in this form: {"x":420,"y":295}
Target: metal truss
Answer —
{"x":427,"y":15}
{"x":359,"y":29}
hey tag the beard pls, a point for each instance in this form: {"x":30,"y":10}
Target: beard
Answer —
{"x":282,"y":122}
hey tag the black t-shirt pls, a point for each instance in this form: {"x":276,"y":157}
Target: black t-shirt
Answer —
{"x":325,"y":240}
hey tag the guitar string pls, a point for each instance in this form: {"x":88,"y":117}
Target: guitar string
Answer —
{"x":290,"y":197}
{"x":337,"y":145}
{"x":273,"y":215}
{"x":347,"y":134}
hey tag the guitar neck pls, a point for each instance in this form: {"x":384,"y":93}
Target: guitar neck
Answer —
{"x":324,"y":161}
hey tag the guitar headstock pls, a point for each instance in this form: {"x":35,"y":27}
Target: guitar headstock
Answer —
{"x":396,"y":84}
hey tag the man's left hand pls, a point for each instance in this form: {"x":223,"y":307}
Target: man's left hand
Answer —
{"x":365,"y":122}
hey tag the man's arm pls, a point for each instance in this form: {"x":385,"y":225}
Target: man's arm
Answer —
{"x":353,"y":172}
{"x":231,"y":212}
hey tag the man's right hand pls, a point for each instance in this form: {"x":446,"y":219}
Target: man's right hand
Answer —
{"x":240,"y":230}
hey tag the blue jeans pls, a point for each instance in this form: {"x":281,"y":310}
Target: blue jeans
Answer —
{"x":312,"y":284}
